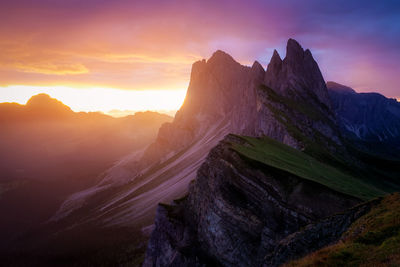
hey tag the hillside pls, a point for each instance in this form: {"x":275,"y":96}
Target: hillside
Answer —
{"x":372,"y":240}
{"x":258,"y":202}
{"x":277,"y":155}
{"x":248,"y":196}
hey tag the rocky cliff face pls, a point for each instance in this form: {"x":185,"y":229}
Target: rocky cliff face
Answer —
{"x":220,"y":99}
{"x":221,"y":92}
{"x":238,"y":213}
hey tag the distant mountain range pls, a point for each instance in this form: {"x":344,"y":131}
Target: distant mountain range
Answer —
{"x":367,"y":117}
{"x":48,"y":152}
{"x":257,"y":168}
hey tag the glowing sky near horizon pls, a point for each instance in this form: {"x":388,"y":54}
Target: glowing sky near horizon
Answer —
{"x":99,"y":99}
{"x":131,"y":47}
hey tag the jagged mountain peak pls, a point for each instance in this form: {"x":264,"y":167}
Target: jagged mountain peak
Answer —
{"x":294,"y":51}
{"x":221,"y":57}
{"x":215,"y":87}
{"x":274,"y":66}
{"x":297,"y":74}
{"x":257,"y":68}
{"x":257,"y":65}
{"x":276,"y":58}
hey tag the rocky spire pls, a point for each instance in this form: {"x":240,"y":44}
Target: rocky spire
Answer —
{"x":257,"y":67}
{"x":298,"y":73}
{"x":274,"y":68}
{"x":294,"y":51}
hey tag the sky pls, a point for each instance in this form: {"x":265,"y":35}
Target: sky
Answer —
{"x":137,"y":55}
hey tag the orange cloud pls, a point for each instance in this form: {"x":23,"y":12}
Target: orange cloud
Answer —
{"x":136,"y":48}
{"x":143,"y":58}
{"x":30,"y":61}
{"x":23,"y":57}
{"x":52,"y":68}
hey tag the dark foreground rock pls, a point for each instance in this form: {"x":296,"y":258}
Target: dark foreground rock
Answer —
{"x":242,"y":213}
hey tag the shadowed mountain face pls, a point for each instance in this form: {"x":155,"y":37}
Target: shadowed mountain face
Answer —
{"x":367,"y":117}
{"x":240,"y":208}
{"x":48,"y":151}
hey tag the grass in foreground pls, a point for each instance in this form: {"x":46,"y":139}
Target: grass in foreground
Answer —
{"x":283,"y":157}
{"x":373,"y":240}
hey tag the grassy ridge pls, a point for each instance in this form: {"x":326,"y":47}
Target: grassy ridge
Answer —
{"x":283,"y":157}
{"x":373,"y":240}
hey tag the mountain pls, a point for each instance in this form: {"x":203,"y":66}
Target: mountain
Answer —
{"x":248,"y":197}
{"x":251,"y":158}
{"x":48,"y":152}
{"x":367,"y":117}
{"x":280,"y":194}
{"x":44,"y":134}
{"x":223,"y":97}
{"x":38,"y":107}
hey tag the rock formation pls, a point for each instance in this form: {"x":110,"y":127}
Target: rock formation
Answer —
{"x":298,"y":73}
{"x":239,"y":214}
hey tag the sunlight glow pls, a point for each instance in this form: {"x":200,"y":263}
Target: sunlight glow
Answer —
{"x":99,"y":99}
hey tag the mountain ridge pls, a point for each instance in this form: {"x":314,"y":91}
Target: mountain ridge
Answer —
{"x":238,"y":211}
{"x":367,"y":117}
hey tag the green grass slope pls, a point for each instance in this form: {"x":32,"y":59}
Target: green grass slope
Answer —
{"x":372,"y":240}
{"x":283,"y":157}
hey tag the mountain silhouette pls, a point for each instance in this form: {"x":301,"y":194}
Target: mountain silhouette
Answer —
{"x":40,"y":107}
